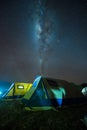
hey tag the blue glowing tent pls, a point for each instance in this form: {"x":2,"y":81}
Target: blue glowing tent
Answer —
{"x":4,"y":86}
{"x":48,"y":93}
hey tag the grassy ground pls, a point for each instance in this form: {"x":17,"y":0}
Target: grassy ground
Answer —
{"x":13,"y":116}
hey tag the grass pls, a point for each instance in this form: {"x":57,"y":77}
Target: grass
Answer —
{"x":13,"y":116}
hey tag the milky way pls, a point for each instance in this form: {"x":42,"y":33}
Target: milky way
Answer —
{"x":44,"y":29}
{"x":43,"y":37}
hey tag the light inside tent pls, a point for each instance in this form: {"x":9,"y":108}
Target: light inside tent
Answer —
{"x":20,"y":87}
{"x":59,"y":94}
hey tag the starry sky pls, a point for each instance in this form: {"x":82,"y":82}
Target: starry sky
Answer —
{"x":43,"y":37}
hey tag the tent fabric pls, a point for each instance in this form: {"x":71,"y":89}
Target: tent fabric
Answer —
{"x":16,"y":90}
{"x":37,"y":96}
{"x":84,"y":91}
{"x":4,"y":86}
{"x":48,"y":93}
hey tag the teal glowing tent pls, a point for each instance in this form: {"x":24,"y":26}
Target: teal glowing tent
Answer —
{"x":48,"y":93}
{"x":4,"y":86}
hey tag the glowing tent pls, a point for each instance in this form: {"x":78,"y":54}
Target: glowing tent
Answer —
{"x":16,"y":90}
{"x":48,"y":93}
{"x":4,"y":86}
{"x":84,"y":89}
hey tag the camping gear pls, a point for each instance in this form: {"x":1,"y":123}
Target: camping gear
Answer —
{"x":84,"y":91}
{"x":47,"y":93}
{"x":4,"y":86}
{"x":16,"y":90}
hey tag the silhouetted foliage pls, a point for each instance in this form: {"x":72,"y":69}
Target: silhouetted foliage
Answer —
{"x":84,"y":85}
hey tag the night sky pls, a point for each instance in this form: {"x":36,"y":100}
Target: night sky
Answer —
{"x":43,"y":37}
